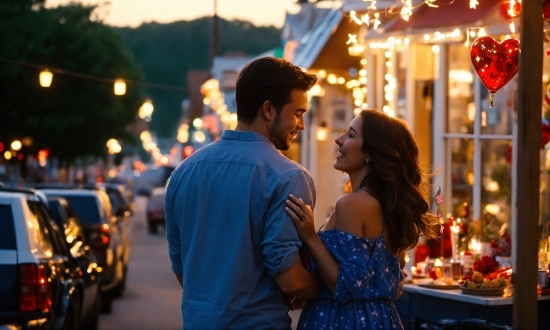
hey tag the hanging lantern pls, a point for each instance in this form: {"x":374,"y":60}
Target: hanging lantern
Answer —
{"x":495,"y":63}
{"x":322,"y":132}
{"x":45,"y":78}
{"x":120,"y":87}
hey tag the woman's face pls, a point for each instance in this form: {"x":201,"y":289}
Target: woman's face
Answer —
{"x":350,"y":158}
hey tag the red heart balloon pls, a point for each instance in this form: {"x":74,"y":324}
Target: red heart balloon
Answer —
{"x":495,"y":62}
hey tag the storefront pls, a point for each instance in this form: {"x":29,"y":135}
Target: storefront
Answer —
{"x":421,"y":70}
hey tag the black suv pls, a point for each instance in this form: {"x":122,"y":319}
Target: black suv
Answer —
{"x":104,"y":236}
{"x":42,"y":275}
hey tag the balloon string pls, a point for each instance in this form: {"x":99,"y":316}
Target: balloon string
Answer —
{"x":491,"y":100}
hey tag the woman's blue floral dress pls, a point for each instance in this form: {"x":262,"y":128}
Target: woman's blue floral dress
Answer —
{"x":365,"y":290}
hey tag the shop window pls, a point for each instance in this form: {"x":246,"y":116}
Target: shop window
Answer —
{"x":478,"y":140}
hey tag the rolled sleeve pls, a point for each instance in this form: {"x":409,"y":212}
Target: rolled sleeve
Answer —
{"x":281,"y":243}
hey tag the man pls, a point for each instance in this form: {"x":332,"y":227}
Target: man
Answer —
{"x":233,"y":247}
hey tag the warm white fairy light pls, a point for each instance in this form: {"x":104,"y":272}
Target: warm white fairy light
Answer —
{"x":376,"y":21}
{"x":406,"y":11}
{"x":431,"y":3}
{"x":474,"y":4}
{"x":352,"y":39}
{"x":353,"y":16}
{"x":372,"y":5}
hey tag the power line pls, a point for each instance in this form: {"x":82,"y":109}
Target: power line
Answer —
{"x":91,"y":77}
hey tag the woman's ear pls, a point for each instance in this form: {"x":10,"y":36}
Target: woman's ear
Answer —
{"x":267,"y":110}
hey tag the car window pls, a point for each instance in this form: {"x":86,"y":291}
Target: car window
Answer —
{"x":56,"y":211}
{"x":38,"y":232}
{"x":115,"y":199}
{"x":86,"y":208}
{"x":7,"y":234}
{"x":57,"y":236}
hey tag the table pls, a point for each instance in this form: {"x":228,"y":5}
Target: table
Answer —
{"x":434,"y":304}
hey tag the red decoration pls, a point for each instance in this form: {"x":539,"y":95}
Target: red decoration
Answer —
{"x":510,"y":9}
{"x":496,"y":63}
{"x":546,"y":10}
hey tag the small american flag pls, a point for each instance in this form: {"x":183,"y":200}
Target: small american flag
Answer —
{"x":439,"y":196}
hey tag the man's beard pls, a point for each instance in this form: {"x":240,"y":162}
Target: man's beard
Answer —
{"x":277,"y":134}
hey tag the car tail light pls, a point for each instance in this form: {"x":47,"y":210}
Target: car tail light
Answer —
{"x":105,"y":234}
{"x":34,"y":289}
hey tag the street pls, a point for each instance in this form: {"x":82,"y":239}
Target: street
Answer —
{"x":153,"y":296}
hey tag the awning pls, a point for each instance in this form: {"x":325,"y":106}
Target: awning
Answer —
{"x":456,"y":14}
{"x":325,"y":46}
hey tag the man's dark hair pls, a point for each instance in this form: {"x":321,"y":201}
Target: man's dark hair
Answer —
{"x":268,"y":78}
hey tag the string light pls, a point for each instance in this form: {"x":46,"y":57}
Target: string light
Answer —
{"x":53,"y":70}
{"x":120,"y":87}
{"x":45,"y":77}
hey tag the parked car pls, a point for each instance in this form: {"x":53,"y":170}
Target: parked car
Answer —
{"x":70,"y":225}
{"x":155,"y":209}
{"x":122,"y":209}
{"x":121,"y":198}
{"x":102,"y":234}
{"x":43,"y":283}
{"x":151,"y":178}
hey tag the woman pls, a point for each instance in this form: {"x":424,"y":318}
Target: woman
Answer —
{"x":356,"y":251}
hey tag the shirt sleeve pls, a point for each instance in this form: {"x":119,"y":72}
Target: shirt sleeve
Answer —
{"x":172,"y":231}
{"x":281,"y":243}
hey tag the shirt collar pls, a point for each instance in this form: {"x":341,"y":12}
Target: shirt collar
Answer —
{"x":244,"y":136}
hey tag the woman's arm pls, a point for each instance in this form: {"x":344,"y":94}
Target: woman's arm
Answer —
{"x":303,"y":218}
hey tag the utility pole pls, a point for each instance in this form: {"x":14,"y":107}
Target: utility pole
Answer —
{"x":214,"y":37}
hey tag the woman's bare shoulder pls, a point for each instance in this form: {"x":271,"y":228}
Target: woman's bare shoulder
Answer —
{"x":359,"y":213}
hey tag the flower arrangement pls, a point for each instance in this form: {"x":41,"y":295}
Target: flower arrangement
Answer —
{"x":489,"y":229}
{"x":486,"y":228}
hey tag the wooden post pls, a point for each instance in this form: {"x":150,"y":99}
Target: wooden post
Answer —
{"x":526,"y":156}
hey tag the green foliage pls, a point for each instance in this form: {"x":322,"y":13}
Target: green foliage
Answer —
{"x":167,"y":52}
{"x":78,"y":113}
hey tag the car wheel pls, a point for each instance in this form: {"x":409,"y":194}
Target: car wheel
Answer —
{"x":72,"y":317}
{"x":93,"y":323}
{"x":107,"y":302}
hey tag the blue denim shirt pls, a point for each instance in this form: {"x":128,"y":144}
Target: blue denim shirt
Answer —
{"x":229,"y":234}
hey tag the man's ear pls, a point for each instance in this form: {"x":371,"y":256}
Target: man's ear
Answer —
{"x":268,"y":110}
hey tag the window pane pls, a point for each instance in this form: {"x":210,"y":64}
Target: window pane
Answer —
{"x":460,"y":93}
{"x":499,"y":118}
{"x":462,"y":173}
{"x":496,"y":184}
{"x":7,"y":234}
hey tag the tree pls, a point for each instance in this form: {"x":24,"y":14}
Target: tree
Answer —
{"x":79,"y":112}
{"x":167,"y":52}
